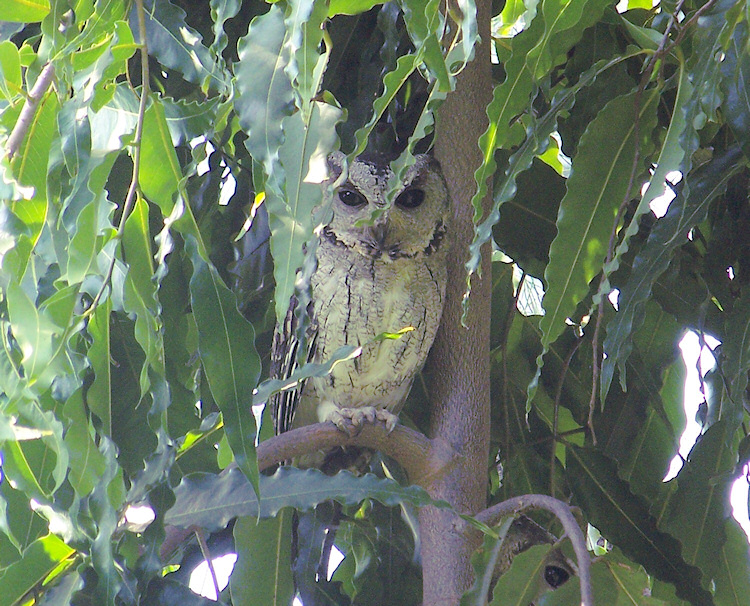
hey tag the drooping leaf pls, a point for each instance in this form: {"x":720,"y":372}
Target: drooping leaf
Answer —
{"x":624,"y":519}
{"x":697,"y":510}
{"x":669,"y":232}
{"x":232,"y":366}
{"x":160,"y":172}
{"x":596,"y":189}
{"x":265,"y":581}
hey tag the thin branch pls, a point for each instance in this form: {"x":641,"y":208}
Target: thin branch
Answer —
{"x":26,"y":116}
{"x":494,"y":514}
{"x":422,"y":458}
{"x":133,"y":188}
{"x":207,"y":557}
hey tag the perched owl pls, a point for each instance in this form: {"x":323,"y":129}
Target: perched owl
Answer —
{"x":372,"y":277}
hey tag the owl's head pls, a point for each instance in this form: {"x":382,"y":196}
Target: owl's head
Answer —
{"x":412,"y":225}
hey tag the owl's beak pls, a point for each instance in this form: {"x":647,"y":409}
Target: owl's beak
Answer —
{"x":379,"y":233}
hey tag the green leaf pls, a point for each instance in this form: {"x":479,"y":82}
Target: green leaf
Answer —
{"x":178,"y":46}
{"x":38,"y":561}
{"x":696,"y":510}
{"x":624,"y":519}
{"x":211,"y":501}
{"x":520,"y":585}
{"x":706,"y":183}
{"x":25,"y":11}
{"x":596,"y":188}
{"x":735,"y":356}
{"x":160,"y":171}
{"x":11,"y":83}
{"x":87,"y":465}
{"x":265,"y":581}
{"x":392,"y":83}
{"x":484,"y":562}
{"x":231,"y":364}
{"x":99,"y":394}
{"x":304,"y":158}
{"x":140,"y":298}
{"x":264,"y":93}
{"x":733,"y":575}
{"x":350,"y":7}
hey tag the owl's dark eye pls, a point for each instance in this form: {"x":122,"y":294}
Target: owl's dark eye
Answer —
{"x":410,"y":198}
{"x":352,"y":198}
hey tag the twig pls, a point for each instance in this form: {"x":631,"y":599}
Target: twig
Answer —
{"x":494,"y":514}
{"x":207,"y":557}
{"x":26,"y":116}
{"x":556,"y":414}
{"x":133,"y":188}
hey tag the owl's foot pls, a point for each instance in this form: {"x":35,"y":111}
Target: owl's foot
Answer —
{"x":350,"y":420}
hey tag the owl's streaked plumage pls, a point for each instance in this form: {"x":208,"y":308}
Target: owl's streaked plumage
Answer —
{"x":371,"y":278}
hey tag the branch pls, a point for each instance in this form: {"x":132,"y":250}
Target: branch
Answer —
{"x":26,"y":116}
{"x":422,"y":458}
{"x":492,"y":516}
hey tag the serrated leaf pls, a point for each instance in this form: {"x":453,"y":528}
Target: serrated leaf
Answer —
{"x":624,"y":519}
{"x":670,"y":232}
{"x":231,"y":364}
{"x":140,"y":298}
{"x":211,"y":501}
{"x":535,"y":143}
{"x":392,"y":83}
{"x":697,"y":508}
{"x":596,"y":188}
{"x":264,"y":92}
{"x":670,"y":159}
{"x":265,"y":581}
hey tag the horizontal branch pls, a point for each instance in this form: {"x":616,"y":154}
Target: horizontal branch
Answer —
{"x":423,"y":459}
{"x":494,"y":514}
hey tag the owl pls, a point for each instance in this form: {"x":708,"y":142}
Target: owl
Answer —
{"x":381,"y":268}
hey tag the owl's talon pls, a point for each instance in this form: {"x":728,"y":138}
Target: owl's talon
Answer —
{"x":351,"y":420}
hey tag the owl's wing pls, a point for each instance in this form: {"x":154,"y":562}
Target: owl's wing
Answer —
{"x":284,"y":361}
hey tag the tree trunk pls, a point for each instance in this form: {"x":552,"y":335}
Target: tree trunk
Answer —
{"x":459,"y":363}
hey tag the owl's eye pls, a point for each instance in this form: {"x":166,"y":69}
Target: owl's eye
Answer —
{"x":351,"y":198}
{"x":410,"y":198}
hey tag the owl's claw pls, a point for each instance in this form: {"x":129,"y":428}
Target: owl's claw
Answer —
{"x":351,"y":420}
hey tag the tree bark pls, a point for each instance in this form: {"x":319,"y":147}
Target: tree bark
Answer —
{"x":459,"y":362}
